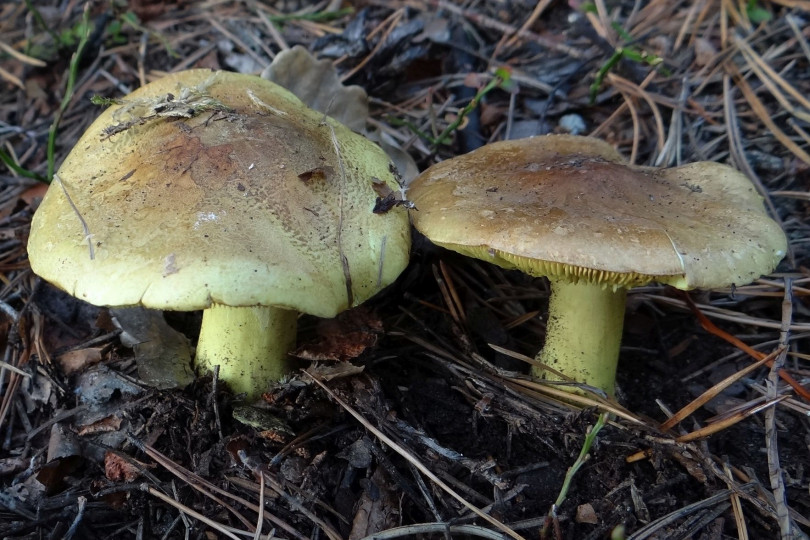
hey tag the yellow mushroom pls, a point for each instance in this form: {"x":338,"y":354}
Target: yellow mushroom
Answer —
{"x":222,"y":192}
{"x":570,"y":208}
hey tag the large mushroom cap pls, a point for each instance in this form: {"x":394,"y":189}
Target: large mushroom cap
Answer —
{"x":568,"y":206}
{"x":214,"y":187}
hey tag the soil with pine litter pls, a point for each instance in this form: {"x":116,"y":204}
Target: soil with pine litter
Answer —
{"x":412,"y":416}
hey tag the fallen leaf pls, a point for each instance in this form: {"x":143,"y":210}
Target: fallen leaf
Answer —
{"x":110,"y":423}
{"x":269,"y":426}
{"x":378,"y":507}
{"x":336,"y":371}
{"x":163,"y":354}
{"x":62,"y":443}
{"x":118,"y":469}
{"x":705,"y":52}
{"x":317,"y":84}
{"x":586,"y":514}
{"x":34,"y":193}
{"x":381,"y":188}
{"x":387,"y":198}
{"x":358,"y":454}
{"x":344,"y":337}
{"x":12,"y":465}
{"x":53,"y":474}
{"x":99,"y":384}
{"x":316,"y":175}
{"x":73,"y":361}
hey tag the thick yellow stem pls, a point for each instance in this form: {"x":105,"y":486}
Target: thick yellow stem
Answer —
{"x":584,"y":333}
{"x":249,"y":344}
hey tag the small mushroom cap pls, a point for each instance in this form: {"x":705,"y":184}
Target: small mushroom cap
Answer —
{"x":207,"y":187}
{"x":570,"y":208}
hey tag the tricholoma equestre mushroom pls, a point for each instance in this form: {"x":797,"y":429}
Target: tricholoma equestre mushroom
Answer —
{"x":570,"y":208}
{"x":222,"y":192}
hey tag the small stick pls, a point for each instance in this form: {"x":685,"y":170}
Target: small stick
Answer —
{"x":215,"y":402}
{"x":416,"y":463}
{"x":186,"y":510}
{"x":775,"y":474}
{"x":712,"y":329}
{"x":86,"y":230}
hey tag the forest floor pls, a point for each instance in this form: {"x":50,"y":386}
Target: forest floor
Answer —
{"x":428,"y":426}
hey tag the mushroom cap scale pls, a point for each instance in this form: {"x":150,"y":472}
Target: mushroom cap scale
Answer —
{"x":569,"y":207}
{"x":250,"y":199}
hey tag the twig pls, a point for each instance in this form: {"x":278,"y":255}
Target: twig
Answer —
{"x":628,"y":101}
{"x":771,"y":443}
{"x":328,"y":530}
{"x":712,"y":329}
{"x":419,"y":465}
{"x":54,"y":420}
{"x":481,"y":468}
{"x":215,"y":401}
{"x":86,"y":230}
{"x":726,"y":314}
{"x":762,"y":113}
{"x":625,"y":85}
{"x":260,"y":519}
{"x":714,"y":391}
{"x":411,"y":531}
{"x":197,"y":482}
{"x":489,"y":22}
{"x":736,"y":506}
{"x":193,"y":513}
{"x":15,"y":369}
{"x":538,"y":10}
{"x":726,"y":423}
{"x":82,"y":502}
{"x":423,"y":489}
{"x":391,"y":22}
{"x":650,"y":529}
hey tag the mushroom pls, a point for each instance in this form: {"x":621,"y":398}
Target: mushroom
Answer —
{"x":571,"y":209}
{"x":222,"y":192}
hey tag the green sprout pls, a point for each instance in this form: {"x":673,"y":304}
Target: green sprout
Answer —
{"x":73,"y":71}
{"x":756,"y":13}
{"x":22,"y":171}
{"x":318,"y":16}
{"x":629,"y":52}
{"x":69,"y":89}
{"x":116,"y":27}
{"x":102,"y":101}
{"x":584,"y":456}
{"x":502,"y":80}
{"x":76,"y":36}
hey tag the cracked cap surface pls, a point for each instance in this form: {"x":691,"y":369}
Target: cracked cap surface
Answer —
{"x":570,"y":208}
{"x":219,"y":187}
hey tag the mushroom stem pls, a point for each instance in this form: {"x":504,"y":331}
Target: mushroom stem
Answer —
{"x":584,"y":333}
{"x":250,"y":345}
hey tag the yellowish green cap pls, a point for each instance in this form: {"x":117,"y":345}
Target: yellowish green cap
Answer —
{"x":570,"y":208}
{"x":214,"y":187}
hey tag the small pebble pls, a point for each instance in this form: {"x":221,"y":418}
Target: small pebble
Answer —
{"x":572,"y":123}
